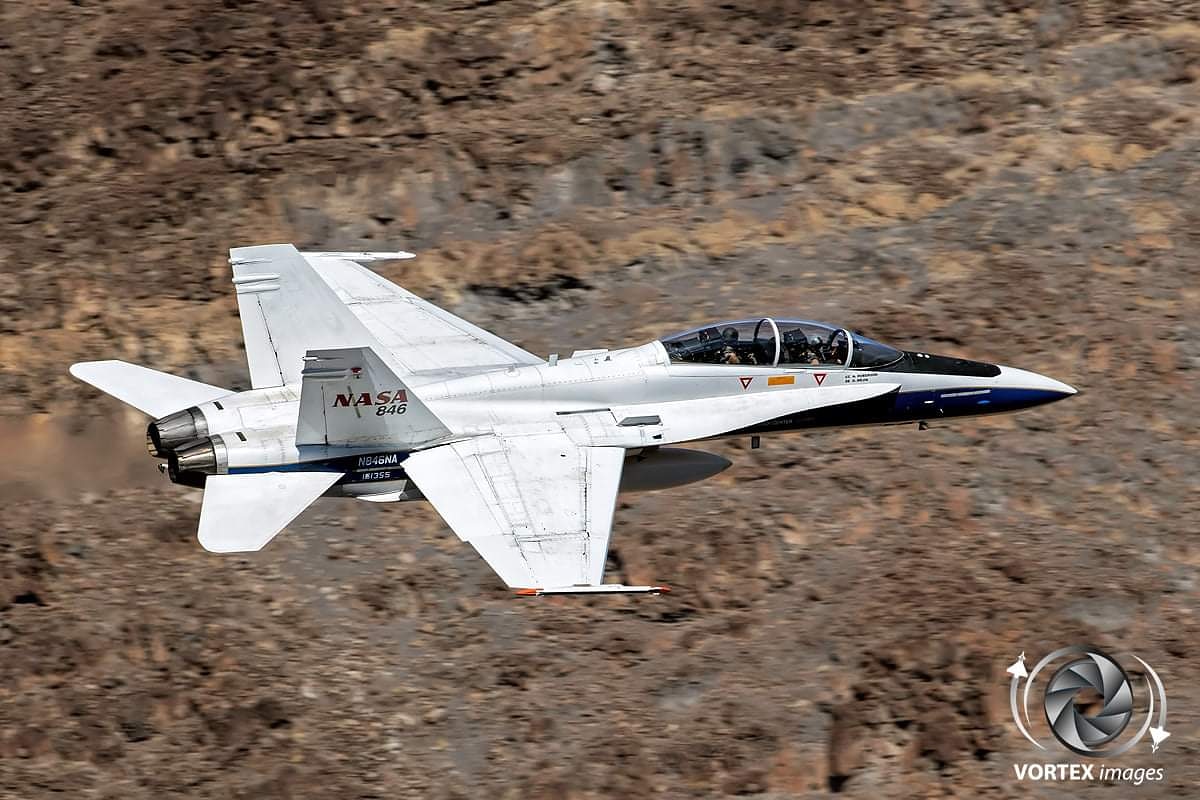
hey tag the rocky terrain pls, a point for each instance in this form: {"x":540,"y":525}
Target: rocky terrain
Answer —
{"x":1014,"y":181}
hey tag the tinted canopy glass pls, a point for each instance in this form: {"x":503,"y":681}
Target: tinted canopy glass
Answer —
{"x":769,"y":342}
{"x":870,"y":354}
{"x":806,"y":343}
{"x":747,"y":341}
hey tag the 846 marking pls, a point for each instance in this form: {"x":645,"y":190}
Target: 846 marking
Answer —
{"x":398,"y":408}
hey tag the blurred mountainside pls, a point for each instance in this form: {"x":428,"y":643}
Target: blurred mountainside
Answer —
{"x":528,"y":149}
{"x":1011,"y":181}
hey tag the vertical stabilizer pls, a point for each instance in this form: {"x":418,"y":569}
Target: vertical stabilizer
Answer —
{"x":350,"y":397}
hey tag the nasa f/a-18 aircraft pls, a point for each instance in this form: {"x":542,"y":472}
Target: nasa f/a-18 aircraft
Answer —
{"x":361,"y":389}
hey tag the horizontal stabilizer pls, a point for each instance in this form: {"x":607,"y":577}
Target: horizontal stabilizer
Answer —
{"x":149,"y":391}
{"x":241,"y":513}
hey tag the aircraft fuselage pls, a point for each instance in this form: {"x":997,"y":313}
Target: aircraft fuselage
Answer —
{"x":635,"y":398}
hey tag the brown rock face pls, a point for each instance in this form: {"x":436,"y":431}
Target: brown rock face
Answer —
{"x":1014,"y":182}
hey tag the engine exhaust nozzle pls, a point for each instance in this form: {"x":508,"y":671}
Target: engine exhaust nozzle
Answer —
{"x":172,"y":431}
{"x":191,"y":465}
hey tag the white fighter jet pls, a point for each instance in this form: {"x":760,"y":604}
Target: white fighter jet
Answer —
{"x":361,"y":389}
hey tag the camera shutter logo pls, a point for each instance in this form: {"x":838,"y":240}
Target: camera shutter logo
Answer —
{"x":1093,"y":728}
{"x":1078,"y":731}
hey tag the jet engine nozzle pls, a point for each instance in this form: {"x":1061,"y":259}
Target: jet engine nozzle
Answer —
{"x":190,"y":465}
{"x":170,"y":432}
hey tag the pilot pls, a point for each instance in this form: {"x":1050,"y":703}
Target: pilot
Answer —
{"x":795,"y":352}
{"x":816,"y":350}
{"x":728,"y":354}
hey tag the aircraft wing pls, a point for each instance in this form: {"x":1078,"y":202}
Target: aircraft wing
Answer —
{"x":292,"y":302}
{"x":418,"y":335}
{"x":286,"y":310}
{"x":537,"y":507}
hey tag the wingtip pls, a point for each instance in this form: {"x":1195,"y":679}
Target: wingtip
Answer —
{"x":79,"y":368}
{"x":585,"y":589}
{"x":361,"y":255}
{"x":92,"y":372}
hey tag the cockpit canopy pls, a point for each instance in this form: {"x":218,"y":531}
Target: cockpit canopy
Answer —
{"x":770,"y":342}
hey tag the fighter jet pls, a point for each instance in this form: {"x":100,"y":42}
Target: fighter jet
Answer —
{"x":361,"y":389}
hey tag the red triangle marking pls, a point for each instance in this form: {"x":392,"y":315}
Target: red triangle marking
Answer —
{"x":745,"y":381}
{"x":820,"y":376}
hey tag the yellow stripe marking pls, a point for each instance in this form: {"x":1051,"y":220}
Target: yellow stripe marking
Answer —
{"x":781,"y":380}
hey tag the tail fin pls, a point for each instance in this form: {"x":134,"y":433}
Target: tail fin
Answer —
{"x":155,"y":393}
{"x":349,"y":396}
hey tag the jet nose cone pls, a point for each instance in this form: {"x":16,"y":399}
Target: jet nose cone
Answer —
{"x":1030,"y":388}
